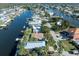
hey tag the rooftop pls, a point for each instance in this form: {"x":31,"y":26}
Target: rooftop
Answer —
{"x":75,"y":33}
{"x":34,"y":44}
{"x":37,"y":35}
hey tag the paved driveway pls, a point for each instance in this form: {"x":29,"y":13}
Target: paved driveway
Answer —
{"x":55,"y":38}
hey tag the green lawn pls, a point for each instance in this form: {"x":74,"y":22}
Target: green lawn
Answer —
{"x":27,"y":31}
{"x":22,"y":50}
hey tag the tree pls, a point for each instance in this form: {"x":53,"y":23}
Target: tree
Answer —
{"x":60,"y":47}
{"x":44,"y":22}
{"x":45,"y":29}
{"x":33,"y":53}
{"x":26,"y":7}
{"x":40,"y":51}
{"x":64,"y":25}
{"x":46,"y":14}
{"x":22,"y":51}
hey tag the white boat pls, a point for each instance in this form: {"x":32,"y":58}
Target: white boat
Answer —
{"x":17,"y":39}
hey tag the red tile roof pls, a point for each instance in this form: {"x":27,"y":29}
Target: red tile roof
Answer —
{"x":75,"y":33}
{"x":38,"y":35}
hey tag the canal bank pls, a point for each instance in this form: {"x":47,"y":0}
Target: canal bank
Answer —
{"x":8,"y":36}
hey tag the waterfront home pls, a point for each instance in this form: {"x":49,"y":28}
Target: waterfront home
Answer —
{"x":74,"y":32}
{"x":38,"y":36}
{"x":35,"y":22}
{"x":36,"y":28}
{"x":68,"y":11}
{"x":34,"y":44}
{"x":76,"y":12}
{"x":7,"y":14}
{"x":59,"y":7}
{"x":4,"y":18}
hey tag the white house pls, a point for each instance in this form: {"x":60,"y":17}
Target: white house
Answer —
{"x":34,"y":44}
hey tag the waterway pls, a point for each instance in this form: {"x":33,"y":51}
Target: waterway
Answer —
{"x":8,"y":36}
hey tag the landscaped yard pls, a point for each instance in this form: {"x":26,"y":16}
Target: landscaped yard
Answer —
{"x":22,"y":50}
{"x":56,"y":27}
{"x":51,"y":41}
{"x":67,"y":46}
{"x":27,"y":34}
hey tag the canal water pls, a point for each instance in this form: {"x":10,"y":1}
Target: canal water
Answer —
{"x":8,"y":36}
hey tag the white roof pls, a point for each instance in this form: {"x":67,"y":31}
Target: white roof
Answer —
{"x":34,"y":44}
{"x":35,"y":22}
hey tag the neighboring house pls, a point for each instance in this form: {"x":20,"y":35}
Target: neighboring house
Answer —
{"x":36,"y":28}
{"x":76,"y":12}
{"x":34,"y":44}
{"x":68,"y":10}
{"x":74,"y":32}
{"x":38,"y":36}
{"x":48,"y":25}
